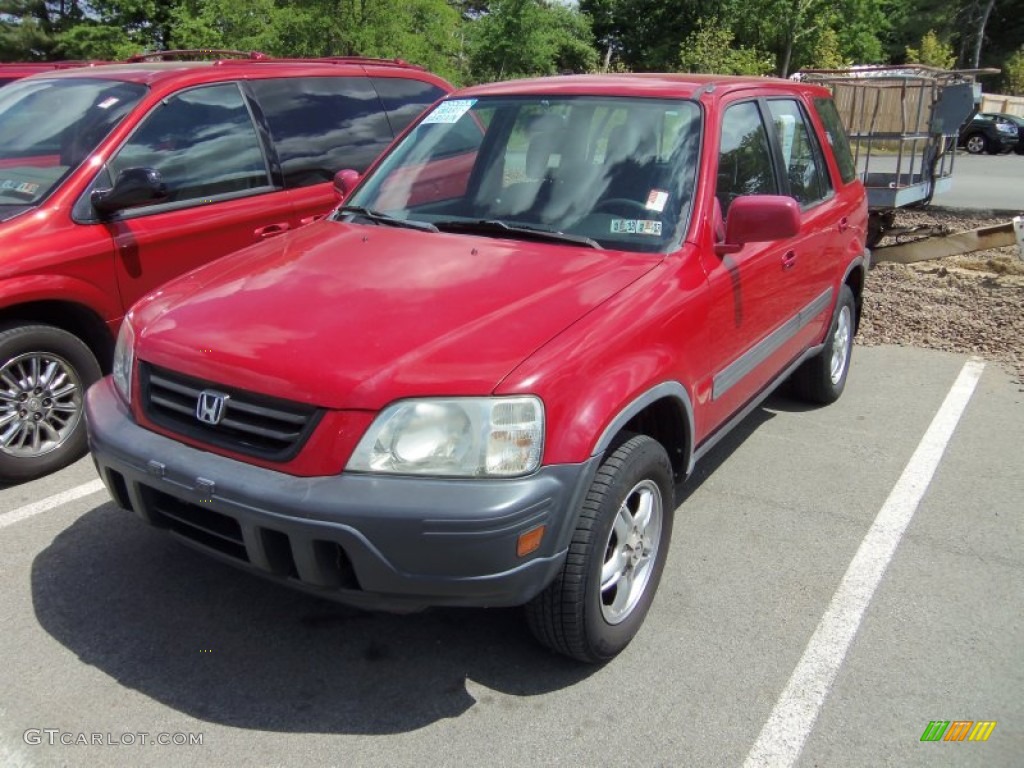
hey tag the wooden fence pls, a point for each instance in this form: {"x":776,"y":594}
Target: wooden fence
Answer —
{"x":996,"y":102}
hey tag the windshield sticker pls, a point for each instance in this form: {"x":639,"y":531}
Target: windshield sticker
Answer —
{"x":449,"y":111}
{"x":108,"y":103}
{"x":656,"y":200}
{"x":25,"y":187}
{"x":636,"y":227}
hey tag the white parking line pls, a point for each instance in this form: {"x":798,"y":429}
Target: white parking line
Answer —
{"x":50,"y":502}
{"x":783,"y":736}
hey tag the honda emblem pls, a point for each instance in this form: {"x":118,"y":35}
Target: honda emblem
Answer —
{"x":210,"y":406}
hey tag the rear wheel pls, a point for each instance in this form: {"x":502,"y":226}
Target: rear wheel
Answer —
{"x":599,"y":600}
{"x":823,"y":378}
{"x":44,"y":372}
{"x":976,"y":143}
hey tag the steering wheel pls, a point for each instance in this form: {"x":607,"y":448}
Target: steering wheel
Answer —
{"x":621,"y":205}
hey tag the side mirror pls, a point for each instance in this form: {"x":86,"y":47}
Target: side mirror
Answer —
{"x":345,"y":181}
{"x":758,"y":219}
{"x":134,"y":186}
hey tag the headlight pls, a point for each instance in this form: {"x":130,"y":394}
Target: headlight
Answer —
{"x":124,"y":359}
{"x":454,"y":437}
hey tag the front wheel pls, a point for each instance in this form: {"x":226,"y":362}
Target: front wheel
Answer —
{"x":597,"y":603}
{"x":823,"y":378}
{"x":44,"y":372}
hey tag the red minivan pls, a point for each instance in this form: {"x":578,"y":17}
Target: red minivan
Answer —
{"x":114,"y":179}
{"x":480,"y":380}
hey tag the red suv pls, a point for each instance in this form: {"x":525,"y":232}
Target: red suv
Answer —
{"x":116,"y":178}
{"x":479,"y":381}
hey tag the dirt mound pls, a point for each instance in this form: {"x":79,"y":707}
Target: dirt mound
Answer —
{"x":973,"y":304}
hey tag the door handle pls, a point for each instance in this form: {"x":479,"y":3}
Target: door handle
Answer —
{"x":272,"y":229}
{"x":789,"y":260}
{"x":844,"y":224}
{"x":311,"y":219}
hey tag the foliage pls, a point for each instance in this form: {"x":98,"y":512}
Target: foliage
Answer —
{"x":933,"y":52}
{"x":521,"y":38}
{"x":710,"y":49}
{"x":1013,"y":73}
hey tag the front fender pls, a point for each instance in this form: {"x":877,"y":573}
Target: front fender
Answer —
{"x":28,"y":289}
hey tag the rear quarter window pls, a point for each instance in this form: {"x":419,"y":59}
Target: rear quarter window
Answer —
{"x":837,"y":138}
{"x":404,"y":99}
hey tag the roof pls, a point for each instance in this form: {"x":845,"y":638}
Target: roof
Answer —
{"x":156,"y":72}
{"x":648,"y":85}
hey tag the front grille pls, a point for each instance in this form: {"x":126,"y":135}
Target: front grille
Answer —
{"x":250,"y":424}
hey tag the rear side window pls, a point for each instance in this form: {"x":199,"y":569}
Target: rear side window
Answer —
{"x":321,"y":125}
{"x":837,"y":138}
{"x":803,"y":166}
{"x":404,"y":99}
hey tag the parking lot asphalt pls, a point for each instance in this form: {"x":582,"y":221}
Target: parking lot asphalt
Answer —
{"x":112,"y":630}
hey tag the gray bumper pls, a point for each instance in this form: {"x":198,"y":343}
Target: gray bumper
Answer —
{"x":391,"y":543}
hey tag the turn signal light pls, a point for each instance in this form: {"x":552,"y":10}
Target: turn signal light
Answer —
{"x":530,"y":541}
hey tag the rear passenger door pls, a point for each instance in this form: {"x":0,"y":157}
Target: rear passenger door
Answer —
{"x":206,"y":146}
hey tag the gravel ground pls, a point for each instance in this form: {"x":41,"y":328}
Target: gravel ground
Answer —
{"x":972,"y":303}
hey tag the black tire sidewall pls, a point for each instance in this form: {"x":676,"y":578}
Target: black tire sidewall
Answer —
{"x":647,"y":459}
{"x":845,"y":300}
{"x":19,"y":340}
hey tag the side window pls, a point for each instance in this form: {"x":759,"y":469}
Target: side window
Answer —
{"x":837,"y":138}
{"x":745,"y":158}
{"x":321,"y":125}
{"x":404,"y":99}
{"x":203,"y":143}
{"x":807,"y":175}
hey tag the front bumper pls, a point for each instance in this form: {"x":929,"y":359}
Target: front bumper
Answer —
{"x":382,"y":542}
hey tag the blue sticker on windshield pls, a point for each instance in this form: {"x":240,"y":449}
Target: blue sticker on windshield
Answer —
{"x":449,"y":111}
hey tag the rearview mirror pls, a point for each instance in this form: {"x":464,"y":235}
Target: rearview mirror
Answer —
{"x":345,"y":181}
{"x":758,"y":219}
{"x":134,"y":186}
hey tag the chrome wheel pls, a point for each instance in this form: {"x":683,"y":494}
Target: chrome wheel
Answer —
{"x":976,"y":144}
{"x":40,"y":404}
{"x":841,"y":343}
{"x":631,"y":551}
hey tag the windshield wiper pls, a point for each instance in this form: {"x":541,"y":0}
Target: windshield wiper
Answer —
{"x":502,"y":229}
{"x":377,"y":217}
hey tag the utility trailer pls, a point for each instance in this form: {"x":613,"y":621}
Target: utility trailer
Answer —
{"x":903,"y":124}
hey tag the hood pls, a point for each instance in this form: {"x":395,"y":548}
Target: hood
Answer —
{"x":348,"y":316}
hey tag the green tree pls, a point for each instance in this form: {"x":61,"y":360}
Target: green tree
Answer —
{"x":710,"y":49}
{"x":523,"y":38}
{"x":933,"y":52}
{"x":30,"y":29}
{"x":1013,"y":73}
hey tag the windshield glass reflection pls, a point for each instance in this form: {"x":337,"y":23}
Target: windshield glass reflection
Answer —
{"x":618,"y":171}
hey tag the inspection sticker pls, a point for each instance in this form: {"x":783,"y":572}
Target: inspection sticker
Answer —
{"x":656,"y":200}
{"x":449,"y":111}
{"x":635,"y":227}
{"x":108,"y":102}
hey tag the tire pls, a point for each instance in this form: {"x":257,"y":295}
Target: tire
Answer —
{"x":573,"y":615}
{"x":976,"y":143}
{"x":823,"y":378}
{"x":44,"y":372}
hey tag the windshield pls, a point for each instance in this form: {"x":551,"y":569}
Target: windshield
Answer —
{"x":48,"y":127}
{"x":616,"y":171}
